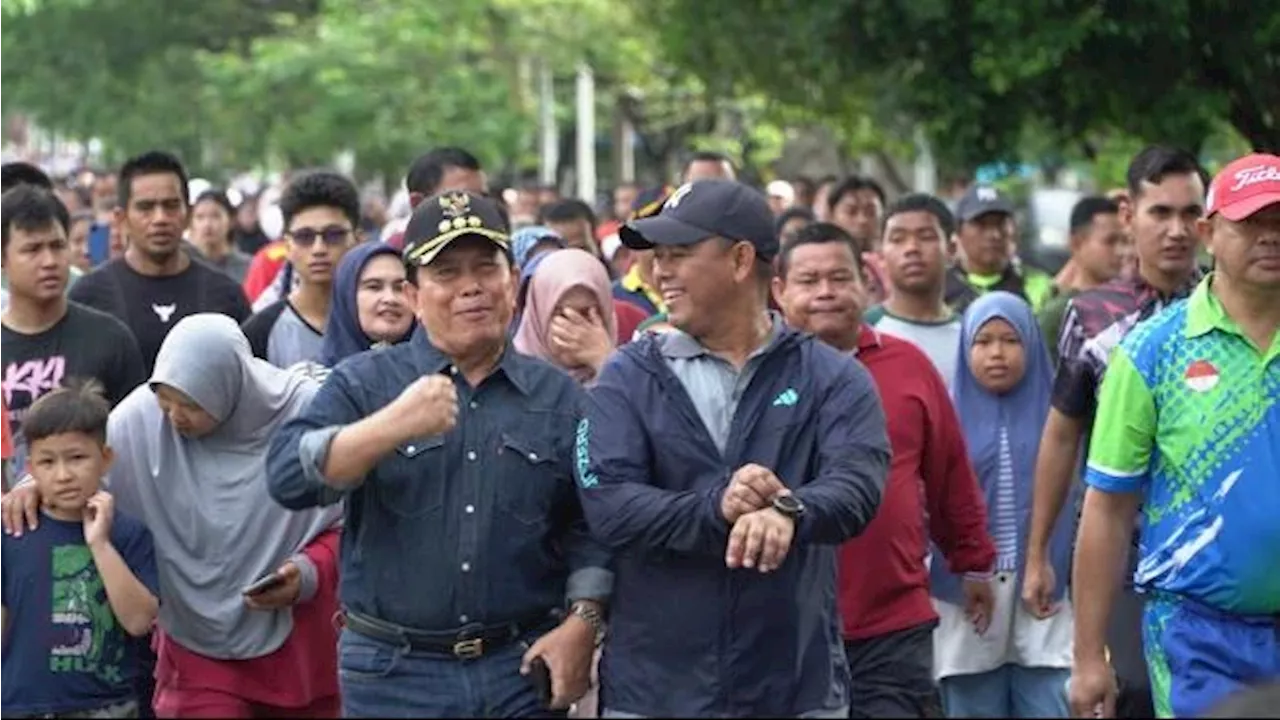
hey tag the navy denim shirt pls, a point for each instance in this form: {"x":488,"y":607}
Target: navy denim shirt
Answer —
{"x":480,"y":524}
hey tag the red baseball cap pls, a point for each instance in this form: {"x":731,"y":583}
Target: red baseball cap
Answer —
{"x":1245,"y":186}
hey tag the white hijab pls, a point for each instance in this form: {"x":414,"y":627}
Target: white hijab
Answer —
{"x":205,"y":500}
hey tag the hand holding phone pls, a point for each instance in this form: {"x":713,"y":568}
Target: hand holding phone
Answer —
{"x":540,"y":676}
{"x":264,"y":583}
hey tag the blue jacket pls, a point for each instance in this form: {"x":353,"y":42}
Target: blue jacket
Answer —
{"x":687,"y":636}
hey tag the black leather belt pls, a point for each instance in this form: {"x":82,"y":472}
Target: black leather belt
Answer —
{"x":466,"y":643}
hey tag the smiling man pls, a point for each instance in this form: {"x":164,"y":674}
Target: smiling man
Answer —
{"x":465,"y":560}
{"x":726,"y":461}
{"x":1189,"y":427}
{"x":156,"y":283}
{"x":321,"y":219}
{"x":888,"y":618}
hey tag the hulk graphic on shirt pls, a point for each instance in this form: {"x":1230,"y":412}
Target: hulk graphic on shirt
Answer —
{"x":82,"y":618}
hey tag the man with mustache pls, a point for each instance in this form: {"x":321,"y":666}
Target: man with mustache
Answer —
{"x":1188,"y":426}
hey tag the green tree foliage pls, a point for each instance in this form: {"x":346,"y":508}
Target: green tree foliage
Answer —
{"x":978,"y":73}
{"x":250,"y":83}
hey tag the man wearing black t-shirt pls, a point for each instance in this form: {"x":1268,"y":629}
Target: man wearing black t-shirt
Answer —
{"x":156,"y":284}
{"x":46,"y":339}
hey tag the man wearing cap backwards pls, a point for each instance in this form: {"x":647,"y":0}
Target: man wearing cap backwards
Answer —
{"x":726,"y":461}
{"x":986,"y":233}
{"x":1189,"y":425}
{"x":465,"y":560}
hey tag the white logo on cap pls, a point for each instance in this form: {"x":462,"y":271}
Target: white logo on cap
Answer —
{"x":987,"y":194}
{"x":1255,"y":175}
{"x":674,"y":201}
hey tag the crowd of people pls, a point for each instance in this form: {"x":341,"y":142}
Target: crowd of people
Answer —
{"x":801,"y":452}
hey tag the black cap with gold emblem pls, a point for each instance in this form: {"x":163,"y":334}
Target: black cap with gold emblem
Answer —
{"x":443,"y":218}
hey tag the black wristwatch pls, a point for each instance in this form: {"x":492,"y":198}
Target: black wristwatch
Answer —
{"x":789,"y":505}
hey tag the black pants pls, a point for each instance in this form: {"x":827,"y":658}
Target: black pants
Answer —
{"x":892,"y":675}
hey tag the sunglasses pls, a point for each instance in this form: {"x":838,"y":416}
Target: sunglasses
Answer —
{"x":330,"y":235}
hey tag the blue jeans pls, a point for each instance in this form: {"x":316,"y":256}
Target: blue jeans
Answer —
{"x":1008,"y":691}
{"x":383,"y":680}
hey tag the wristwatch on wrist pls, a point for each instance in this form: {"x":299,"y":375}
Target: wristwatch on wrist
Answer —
{"x":592,"y":617}
{"x":789,"y":505}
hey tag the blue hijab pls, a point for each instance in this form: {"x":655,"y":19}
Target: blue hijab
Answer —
{"x":342,"y":335}
{"x":524,"y":240}
{"x":1022,"y":412}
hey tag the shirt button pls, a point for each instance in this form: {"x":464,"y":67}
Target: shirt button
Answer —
{"x":470,"y":509}
{"x":466,"y":567}
{"x":410,"y":449}
{"x":474,"y":405}
{"x":471,"y":455}
{"x":533,"y":457}
{"x":463,"y":618}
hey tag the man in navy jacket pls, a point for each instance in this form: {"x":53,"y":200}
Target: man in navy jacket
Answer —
{"x":725,"y":463}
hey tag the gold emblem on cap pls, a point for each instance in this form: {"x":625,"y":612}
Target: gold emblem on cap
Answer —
{"x":474,"y":221}
{"x":455,"y":204}
{"x":444,"y":226}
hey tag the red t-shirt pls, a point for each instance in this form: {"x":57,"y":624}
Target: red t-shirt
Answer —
{"x":883,"y":582}
{"x":263,"y":268}
{"x":629,"y":318}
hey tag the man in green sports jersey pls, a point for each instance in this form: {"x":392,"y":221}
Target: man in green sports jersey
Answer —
{"x":1189,"y":425}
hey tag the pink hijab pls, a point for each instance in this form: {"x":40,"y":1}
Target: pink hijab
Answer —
{"x":560,"y":272}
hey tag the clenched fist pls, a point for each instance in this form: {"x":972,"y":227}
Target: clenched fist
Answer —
{"x":427,"y":407}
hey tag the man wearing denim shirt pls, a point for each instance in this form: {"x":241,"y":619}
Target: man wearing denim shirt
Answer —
{"x":466,"y":562}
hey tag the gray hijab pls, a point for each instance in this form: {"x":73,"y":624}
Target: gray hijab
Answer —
{"x":205,"y":500}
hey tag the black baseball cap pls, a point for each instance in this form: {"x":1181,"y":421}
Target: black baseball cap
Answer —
{"x":443,"y":218}
{"x":980,"y":200}
{"x":707,"y":208}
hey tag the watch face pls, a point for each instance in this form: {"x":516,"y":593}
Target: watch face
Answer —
{"x":788,"y":504}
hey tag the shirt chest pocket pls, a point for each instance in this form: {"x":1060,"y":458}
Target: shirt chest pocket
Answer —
{"x":411,"y":481}
{"x":529,"y":479}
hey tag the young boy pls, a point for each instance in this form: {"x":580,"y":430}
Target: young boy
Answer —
{"x":79,"y":587}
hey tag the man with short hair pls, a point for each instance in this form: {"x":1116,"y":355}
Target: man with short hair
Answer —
{"x":47,"y":340}
{"x":708,"y":165}
{"x":857,"y":204}
{"x":637,"y":286}
{"x":572,"y":220}
{"x":1188,"y":427}
{"x":726,"y":461}
{"x":1166,"y":198}
{"x":986,"y":234}
{"x":440,"y":169}
{"x":156,"y":283}
{"x":321,"y":212}
{"x":913,"y":252}
{"x":466,"y":562}
{"x":1097,"y":245}
{"x":888,"y":617}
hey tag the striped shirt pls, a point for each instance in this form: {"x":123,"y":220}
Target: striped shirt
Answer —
{"x":1004,"y":526}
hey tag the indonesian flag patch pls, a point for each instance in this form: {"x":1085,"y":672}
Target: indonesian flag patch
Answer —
{"x":1201,"y":376}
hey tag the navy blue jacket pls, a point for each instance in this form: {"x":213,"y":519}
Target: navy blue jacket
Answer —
{"x":480,"y":524}
{"x":689,"y":637}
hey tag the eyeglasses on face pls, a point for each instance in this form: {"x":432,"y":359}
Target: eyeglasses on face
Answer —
{"x":307,"y":237}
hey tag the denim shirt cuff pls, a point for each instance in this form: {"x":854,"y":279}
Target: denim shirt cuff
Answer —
{"x":308,"y":577}
{"x":313,"y":451}
{"x":589,"y":583}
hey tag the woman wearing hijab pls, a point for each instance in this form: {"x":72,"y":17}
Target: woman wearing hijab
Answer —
{"x":569,"y":316}
{"x":190,"y":463}
{"x":369,"y":307}
{"x":1009,"y":660}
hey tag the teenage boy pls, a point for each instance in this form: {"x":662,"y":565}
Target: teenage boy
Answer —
{"x":80,"y":586}
{"x":321,"y":219}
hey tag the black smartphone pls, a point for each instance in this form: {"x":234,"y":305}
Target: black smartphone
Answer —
{"x":264,"y":583}
{"x":540,"y":676}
